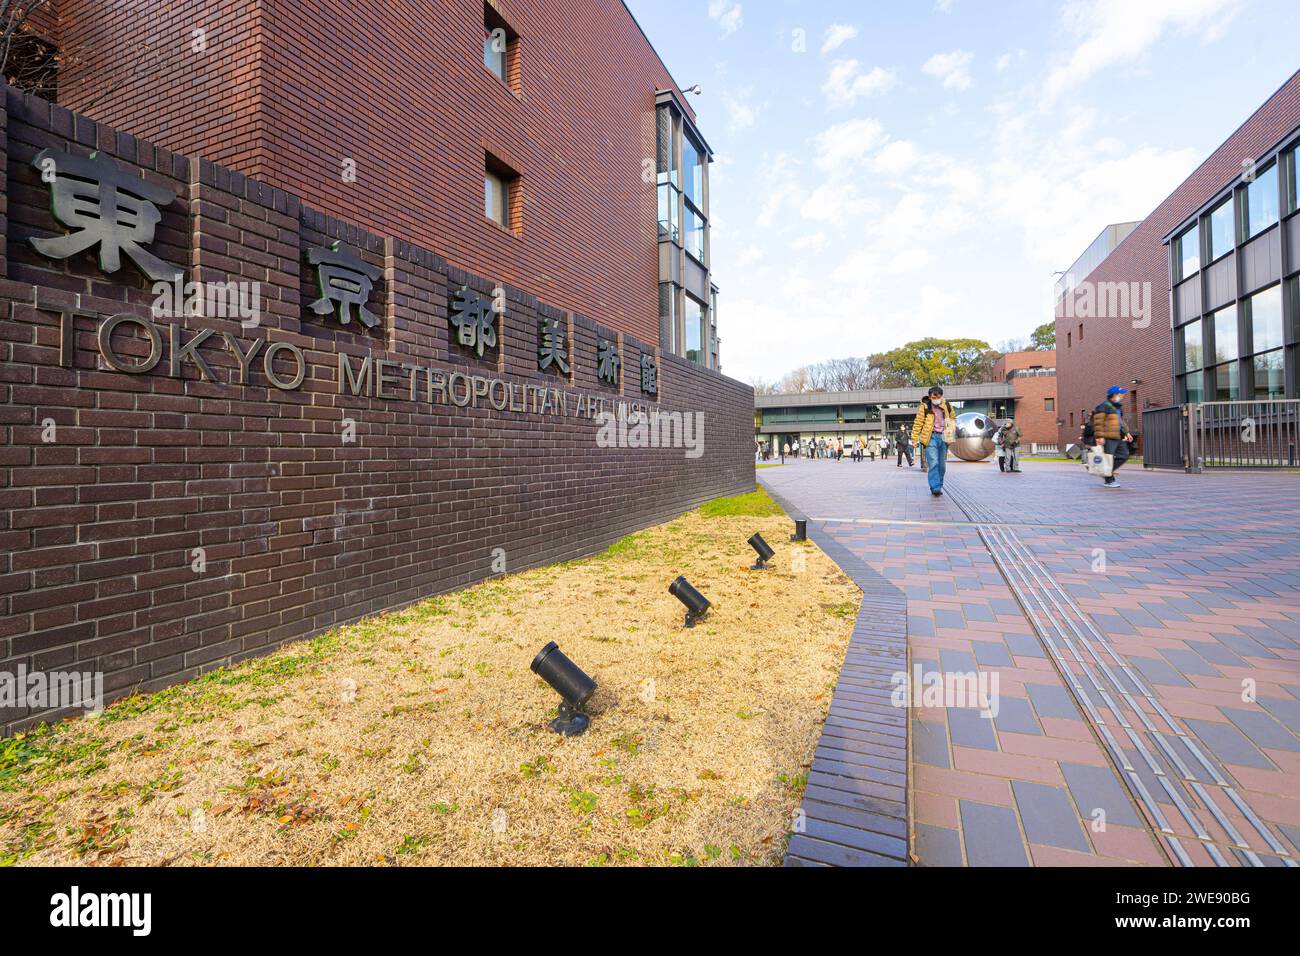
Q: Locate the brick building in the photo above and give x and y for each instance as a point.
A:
(392, 116)
(1032, 376)
(1114, 327)
(185, 489)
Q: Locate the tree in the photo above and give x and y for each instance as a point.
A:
(942, 361)
(1044, 337)
(30, 63)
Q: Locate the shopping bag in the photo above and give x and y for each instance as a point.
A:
(949, 431)
(1099, 463)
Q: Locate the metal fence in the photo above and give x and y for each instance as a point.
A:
(1259, 434)
(1263, 434)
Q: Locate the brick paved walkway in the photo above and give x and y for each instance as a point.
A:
(1145, 644)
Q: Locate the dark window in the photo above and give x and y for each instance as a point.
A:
(1189, 253)
(1049, 404)
(1259, 203)
(501, 197)
(1221, 238)
(500, 48)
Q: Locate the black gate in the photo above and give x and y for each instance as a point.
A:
(1164, 442)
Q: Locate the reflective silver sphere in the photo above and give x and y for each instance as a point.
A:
(974, 437)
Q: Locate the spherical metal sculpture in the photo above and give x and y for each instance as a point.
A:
(974, 437)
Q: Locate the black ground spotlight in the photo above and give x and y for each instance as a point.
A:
(800, 530)
(763, 550)
(574, 687)
(696, 603)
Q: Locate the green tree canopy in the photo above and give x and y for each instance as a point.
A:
(938, 362)
(1044, 337)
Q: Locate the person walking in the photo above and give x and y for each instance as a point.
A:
(1000, 449)
(785, 450)
(1111, 432)
(903, 442)
(935, 426)
(873, 447)
(1011, 442)
(884, 448)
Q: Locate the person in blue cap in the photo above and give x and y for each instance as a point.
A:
(1111, 431)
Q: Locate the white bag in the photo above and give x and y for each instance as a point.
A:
(1099, 463)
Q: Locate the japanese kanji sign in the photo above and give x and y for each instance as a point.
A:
(106, 207)
(552, 345)
(608, 363)
(474, 319)
(649, 374)
(344, 281)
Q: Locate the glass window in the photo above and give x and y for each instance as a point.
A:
(695, 226)
(669, 227)
(1193, 387)
(1049, 404)
(665, 156)
(497, 42)
(1226, 388)
(668, 317)
(1225, 334)
(1265, 312)
(1259, 210)
(1189, 346)
(494, 197)
(1189, 254)
(1270, 375)
(694, 331)
(1292, 181)
(693, 160)
(1221, 238)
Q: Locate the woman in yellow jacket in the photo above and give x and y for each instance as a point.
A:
(931, 431)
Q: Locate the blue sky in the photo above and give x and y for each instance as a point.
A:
(887, 171)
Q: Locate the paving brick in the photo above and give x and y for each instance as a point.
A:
(991, 836)
(1048, 816)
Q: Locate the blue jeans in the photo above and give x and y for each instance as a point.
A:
(936, 456)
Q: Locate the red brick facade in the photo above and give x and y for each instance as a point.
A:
(286, 92)
(1035, 395)
(1112, 351)
(109, 481)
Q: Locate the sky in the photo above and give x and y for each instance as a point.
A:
(887, 171)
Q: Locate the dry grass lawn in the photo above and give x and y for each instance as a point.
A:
(418, 737)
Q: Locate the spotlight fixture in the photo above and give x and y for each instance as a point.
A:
(800, 530)
(696, 603)
(763, 550)
(574, 687)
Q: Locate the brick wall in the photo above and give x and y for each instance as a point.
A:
(285, 92)
(100, 516)
(1037, 423)
(1112, 350)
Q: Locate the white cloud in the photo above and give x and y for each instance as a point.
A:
(846, 83)
(1111, 32)
(845, 145)
(896, 157)
(741, 113)
(944, 6)
(953, 68)
(838, 34)
(1002, 62)
(728, 15)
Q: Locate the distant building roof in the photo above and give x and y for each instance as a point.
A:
(1094, 255)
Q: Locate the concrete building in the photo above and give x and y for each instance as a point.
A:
(809, 416)
(1236, 212)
